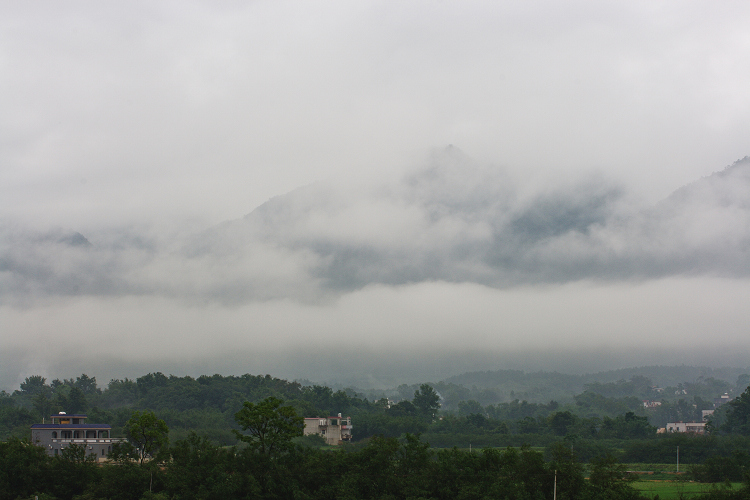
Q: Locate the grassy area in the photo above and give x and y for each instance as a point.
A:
(676, 489)
(658, 472)
(668, 468)
(663, 480)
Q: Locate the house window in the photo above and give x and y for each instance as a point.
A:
(56, 450)
(66, 434)
(102, 451)
(54, 434)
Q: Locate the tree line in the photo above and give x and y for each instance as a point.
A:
(271, 463)
(268, 458)
(207, 403)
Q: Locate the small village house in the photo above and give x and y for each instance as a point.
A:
(65, 430)
(335, 430)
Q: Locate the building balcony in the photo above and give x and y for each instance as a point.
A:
(89, 440)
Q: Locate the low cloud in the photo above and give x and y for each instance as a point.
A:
(375, 285)
(386, 335)
(457, 221)
(452, 220)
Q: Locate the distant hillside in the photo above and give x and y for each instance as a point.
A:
(506, 385)
(725, 188)
(671, 376)
(663, 376)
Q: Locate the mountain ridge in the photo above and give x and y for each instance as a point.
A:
(451, 220)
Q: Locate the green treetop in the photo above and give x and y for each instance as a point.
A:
(270, 426)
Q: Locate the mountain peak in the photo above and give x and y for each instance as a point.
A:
(741, 166)
(728, 187)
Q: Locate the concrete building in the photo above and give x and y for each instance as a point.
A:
(66, 430)
(689, 427)
(722, 400)
(335, 430)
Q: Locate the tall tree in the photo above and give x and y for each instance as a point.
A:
(34, 385)
(738, 414)
(149, 434)
(610, 479)
(42, 404)
(77, 400)
(270, 426)
(427, 400)
(569, 472)
(87, 384)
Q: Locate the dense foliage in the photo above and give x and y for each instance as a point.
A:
(378, 469)
(228, 440)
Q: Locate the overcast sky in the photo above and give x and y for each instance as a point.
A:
(131, 132)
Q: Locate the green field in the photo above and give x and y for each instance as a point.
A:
(662, 480)
(676, 489)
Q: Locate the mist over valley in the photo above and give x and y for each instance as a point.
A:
(372, 194)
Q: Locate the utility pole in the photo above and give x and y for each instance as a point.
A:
(678, 460)
(554, 492)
